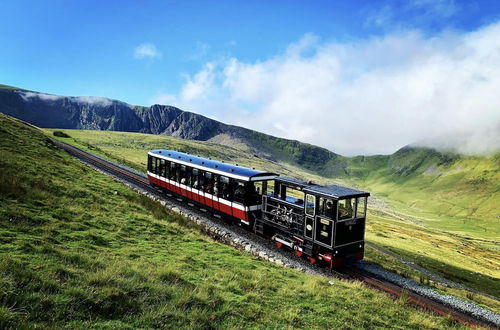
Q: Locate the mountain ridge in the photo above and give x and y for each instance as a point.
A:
(85, 112)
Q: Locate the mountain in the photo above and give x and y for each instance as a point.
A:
(97, 113)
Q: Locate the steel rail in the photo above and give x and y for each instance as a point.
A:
(382, 285)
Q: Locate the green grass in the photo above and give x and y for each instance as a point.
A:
(81, 250)
(392, 222)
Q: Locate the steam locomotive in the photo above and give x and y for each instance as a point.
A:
(323, 223)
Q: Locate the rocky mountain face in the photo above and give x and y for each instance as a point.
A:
(53, 111)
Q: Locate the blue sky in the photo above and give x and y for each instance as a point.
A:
(184, 52)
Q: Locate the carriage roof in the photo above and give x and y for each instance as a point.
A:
(218, 167)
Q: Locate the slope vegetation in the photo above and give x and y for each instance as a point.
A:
(447, 191)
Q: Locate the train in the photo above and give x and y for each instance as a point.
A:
(325, 224)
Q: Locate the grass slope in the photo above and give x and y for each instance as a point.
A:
(468, 260)
(80, 250)
(449, 192)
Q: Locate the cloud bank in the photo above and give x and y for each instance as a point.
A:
(363, 97)
(146, 50)
(87, 100)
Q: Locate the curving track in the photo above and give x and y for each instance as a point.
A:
(423, 302)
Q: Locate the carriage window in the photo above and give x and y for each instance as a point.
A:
(239, 192)
(361, 207)
(171, 173)
(195, 180)
(157, 165)
(310, 204)
(167, 169)
(216, 184)
(201, 180)
(162, 167)
(346, 210)
(189, 174)
(224, 187)
(182, 174)
(326, 208)
(150, 163)
(209, 183)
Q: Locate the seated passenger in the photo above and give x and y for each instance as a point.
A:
(183, 180)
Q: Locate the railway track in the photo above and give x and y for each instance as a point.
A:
(346, 272)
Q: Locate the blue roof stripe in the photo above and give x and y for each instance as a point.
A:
(212, 164)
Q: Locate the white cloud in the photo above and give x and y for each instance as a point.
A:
(146, 50)
(363, 97)
(94, 100)
(28, 96)
(90, 100)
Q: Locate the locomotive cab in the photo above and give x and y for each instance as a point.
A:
(323, 222)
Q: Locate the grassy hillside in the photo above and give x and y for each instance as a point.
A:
(467, 260)
(449, 192)
(80, 250)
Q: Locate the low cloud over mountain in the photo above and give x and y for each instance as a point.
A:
(362, 96)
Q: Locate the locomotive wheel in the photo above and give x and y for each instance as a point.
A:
(312, 260)
(279, 245)
(298, 253)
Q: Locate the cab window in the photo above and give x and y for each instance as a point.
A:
(345, 209)
(326, 207)
(310, 204)
(361, 207)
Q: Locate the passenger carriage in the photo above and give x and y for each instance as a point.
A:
(324, 223)
(229, 190)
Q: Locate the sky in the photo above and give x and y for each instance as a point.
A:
(356, 77)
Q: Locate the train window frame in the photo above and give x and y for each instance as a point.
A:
(208, 186)
(157, 160)
(323, 201)
(352, 209)
(162, 167)
(237, 198)
(167, 168)
(363, 201)
(182, 174)
(224, 188)
(195, 178)
(307, 204)
(172, 171)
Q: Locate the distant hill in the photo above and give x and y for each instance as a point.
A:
(97, 113)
